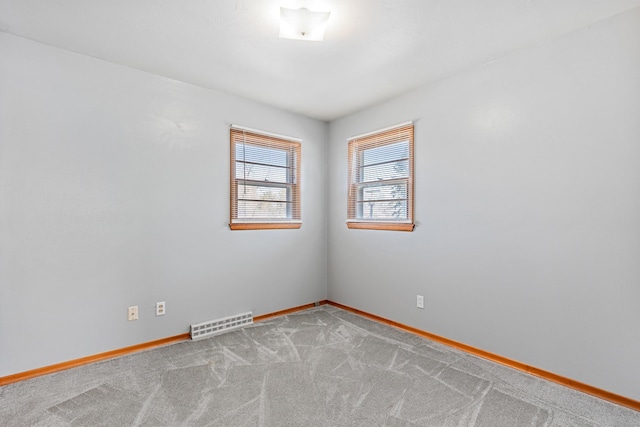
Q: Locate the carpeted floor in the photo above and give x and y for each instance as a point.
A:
(319, 367)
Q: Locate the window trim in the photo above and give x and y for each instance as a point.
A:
(356, 145)
(275, 141)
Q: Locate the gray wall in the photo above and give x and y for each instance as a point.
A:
(527, 207)
(115, 192)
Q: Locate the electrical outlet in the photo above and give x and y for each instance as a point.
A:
(420, 301)
(160, 308)
(133, 313)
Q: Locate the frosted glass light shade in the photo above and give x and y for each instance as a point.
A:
(303, 24)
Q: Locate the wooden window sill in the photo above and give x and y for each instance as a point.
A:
(390, 226)
(264, 225)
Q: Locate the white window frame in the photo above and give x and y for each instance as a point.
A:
(292, 147)
(357, 146)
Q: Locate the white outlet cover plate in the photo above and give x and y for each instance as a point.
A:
(420, 301)
(161, 308)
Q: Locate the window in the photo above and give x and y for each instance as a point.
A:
(381, 180)
(265, 181)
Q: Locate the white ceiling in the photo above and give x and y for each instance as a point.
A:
(373, 49)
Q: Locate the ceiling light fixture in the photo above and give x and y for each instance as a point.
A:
(303, 24)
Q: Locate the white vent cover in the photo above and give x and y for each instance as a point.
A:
(218, 326)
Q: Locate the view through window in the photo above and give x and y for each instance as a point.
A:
(265, 181)
(381, 180)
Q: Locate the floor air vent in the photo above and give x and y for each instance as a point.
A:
(218, 326)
